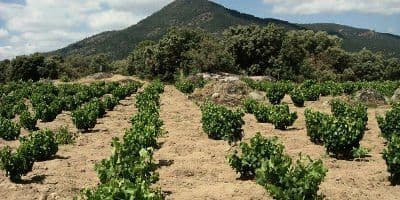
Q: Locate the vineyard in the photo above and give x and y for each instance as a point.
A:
(133, 139)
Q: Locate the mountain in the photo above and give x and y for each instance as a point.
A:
(214, 18)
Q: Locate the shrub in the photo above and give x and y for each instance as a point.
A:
(28, 121)
(110, 102)
(20, 107)
(315, 122)
(120, 92)
(390, 123)
(63, 136)
(263, 113)
(342, 135)
(47, 113)
(250, 105)
(392, 157)
(85, 117)
(281, 116)
(358, 111)
(18, 163)
(43, 144)
(253, 154)
(276, 93)
(287, 181)
(136, 165)
(185, 86)
(122, 189)
(97, 105)
(312, 93)
(221, 123)
(297, 97)
(8, 129)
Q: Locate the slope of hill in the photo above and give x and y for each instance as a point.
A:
(357, 38)
(214, 18)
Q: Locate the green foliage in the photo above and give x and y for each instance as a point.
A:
(360, 152)
(390, 123)
(392, 157)
(47, 113)
(28, 121)
(85, 117)
(185, 86)
(358, 111)
(297, 97)
(250, 105)
(314, 124)
(42, 144)
(8, 129)
(253, 154)
(263, 113)
(281, 116)
(64, 137)
(221, 123)
(342, 135)
(110, 102)
(276, 93)
(122, 189)
(312, 93)
(287, 181)
(20, 107)
(16, 164)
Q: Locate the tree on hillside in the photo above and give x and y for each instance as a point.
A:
(254, 48)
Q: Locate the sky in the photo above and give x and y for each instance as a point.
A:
(28, 26)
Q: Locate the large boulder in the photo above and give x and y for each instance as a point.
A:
(227, 92)
(396, 96)
(370, 97)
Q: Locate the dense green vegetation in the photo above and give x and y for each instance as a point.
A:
(221, 123)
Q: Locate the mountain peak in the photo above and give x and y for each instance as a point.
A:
(211, 17)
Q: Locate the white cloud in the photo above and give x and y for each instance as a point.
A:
(44, 25)
(3, 33)
(307, 7)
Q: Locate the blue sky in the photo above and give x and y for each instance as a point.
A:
(28, 26)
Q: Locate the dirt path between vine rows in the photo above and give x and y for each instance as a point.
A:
(198, 167)
(73, 167)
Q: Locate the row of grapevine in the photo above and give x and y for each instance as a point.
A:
(390, 130)
(279, 115)
(37, 146)
(312, 89)
(340, 133)
(130, 170)
(264, 158)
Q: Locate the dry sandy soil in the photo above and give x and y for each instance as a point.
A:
(195, 167)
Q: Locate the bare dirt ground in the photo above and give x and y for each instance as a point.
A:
(73, 167)
(194, 166)
(199, 169)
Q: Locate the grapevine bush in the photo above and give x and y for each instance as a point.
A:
(358, 111)
(263, 113)
(16, 164)
(276, 93)
(85, 117)
(392, 157)
(28, 121)
(314, 124)
(297, 97)
(281, 116)
(250, 105)
(8, 129)
(42, 144)
(342, 135)
(390, 123)
(253, 154)
(222, 123)
(285, 180)
(110, 102)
